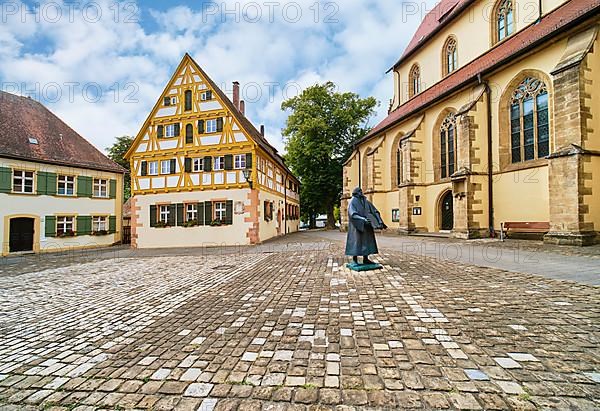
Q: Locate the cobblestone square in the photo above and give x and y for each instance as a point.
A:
(293, 328)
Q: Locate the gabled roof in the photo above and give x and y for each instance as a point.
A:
(246, 124)
(52, 141)
(439, 17)
(552, 24)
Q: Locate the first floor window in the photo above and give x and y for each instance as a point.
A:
(170, 130)
(191, 212)
(22, 181)
(163, 213)
(64, 225)
(198, 165)
(240, 161)
(219, 163)
(99, 224)
(211, 126)
(220, 210)
(66, 185)
(165, 167)
(153, 168)
(100, 187)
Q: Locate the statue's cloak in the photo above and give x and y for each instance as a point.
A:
(361, 237)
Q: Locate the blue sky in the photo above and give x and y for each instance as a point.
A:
(101, 65)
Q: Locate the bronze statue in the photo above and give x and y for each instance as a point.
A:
(363, 219)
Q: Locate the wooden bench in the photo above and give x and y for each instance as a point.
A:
(524, 227)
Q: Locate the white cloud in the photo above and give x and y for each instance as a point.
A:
(140, 55)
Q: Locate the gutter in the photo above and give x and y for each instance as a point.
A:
(490, 161)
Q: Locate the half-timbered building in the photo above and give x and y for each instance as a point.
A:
(203, 175)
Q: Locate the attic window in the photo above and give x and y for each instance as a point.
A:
(33, 140)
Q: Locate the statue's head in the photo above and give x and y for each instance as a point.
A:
(357, 192)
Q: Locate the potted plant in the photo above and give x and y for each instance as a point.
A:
(161, 224)
(216, 223)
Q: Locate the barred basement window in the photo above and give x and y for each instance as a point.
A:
(529, 129)
(448, 146)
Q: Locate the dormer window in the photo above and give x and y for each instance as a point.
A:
(450, 56)
(504, 20)
(414, 81)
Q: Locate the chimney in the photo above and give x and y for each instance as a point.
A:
(262, 130)
(236, 94)
(243, 107)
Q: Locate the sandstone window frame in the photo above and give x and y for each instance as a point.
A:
(414, 80)
(439, 131)
(503, 20)
(450, 56)
(504, 121)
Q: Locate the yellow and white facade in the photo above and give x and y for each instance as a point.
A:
(58, 208)
(494, 118)
(202, 175)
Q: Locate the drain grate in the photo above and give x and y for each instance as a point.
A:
(223, 267)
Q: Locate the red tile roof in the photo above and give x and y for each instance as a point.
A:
(552, 24)
(22, 118)
(434, 21)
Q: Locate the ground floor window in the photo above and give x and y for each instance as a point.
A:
(163, 213)
(191, 212)
(64, 225)
(99, 224)
(220, 210)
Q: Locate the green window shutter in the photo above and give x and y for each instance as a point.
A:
(42, 182)
(5, 180)
(144, 168)
(172, 215)
(188, 165)
(228, 162)
(84, 225)
(112, 224)
(51, 184)
(160, 131)
(84, 186)
(200, 126)
(113, 189)
(220, 124)
(229, 212)
(200, 213)
(209, 95)
(248, 160)
(189, 134)
(207, 212)
(208, 163)
(173, 166)
(177, 129)
(50, 226)
(180, 214)
(153, 216)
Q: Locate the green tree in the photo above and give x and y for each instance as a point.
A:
(319, 135)
(117, 154)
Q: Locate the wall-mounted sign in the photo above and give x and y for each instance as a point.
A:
(395, 215)
(417, 211)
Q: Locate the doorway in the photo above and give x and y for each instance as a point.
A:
(21, 234)
(447, 212)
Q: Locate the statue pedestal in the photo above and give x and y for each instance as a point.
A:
(364, 267)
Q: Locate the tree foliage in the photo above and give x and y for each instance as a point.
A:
(117, 154)
(319, 136)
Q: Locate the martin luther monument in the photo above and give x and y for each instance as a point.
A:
(363, 219)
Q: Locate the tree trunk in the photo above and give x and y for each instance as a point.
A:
(330, 218)
(312, 222)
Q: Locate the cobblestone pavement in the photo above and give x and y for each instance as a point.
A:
(291, 328)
